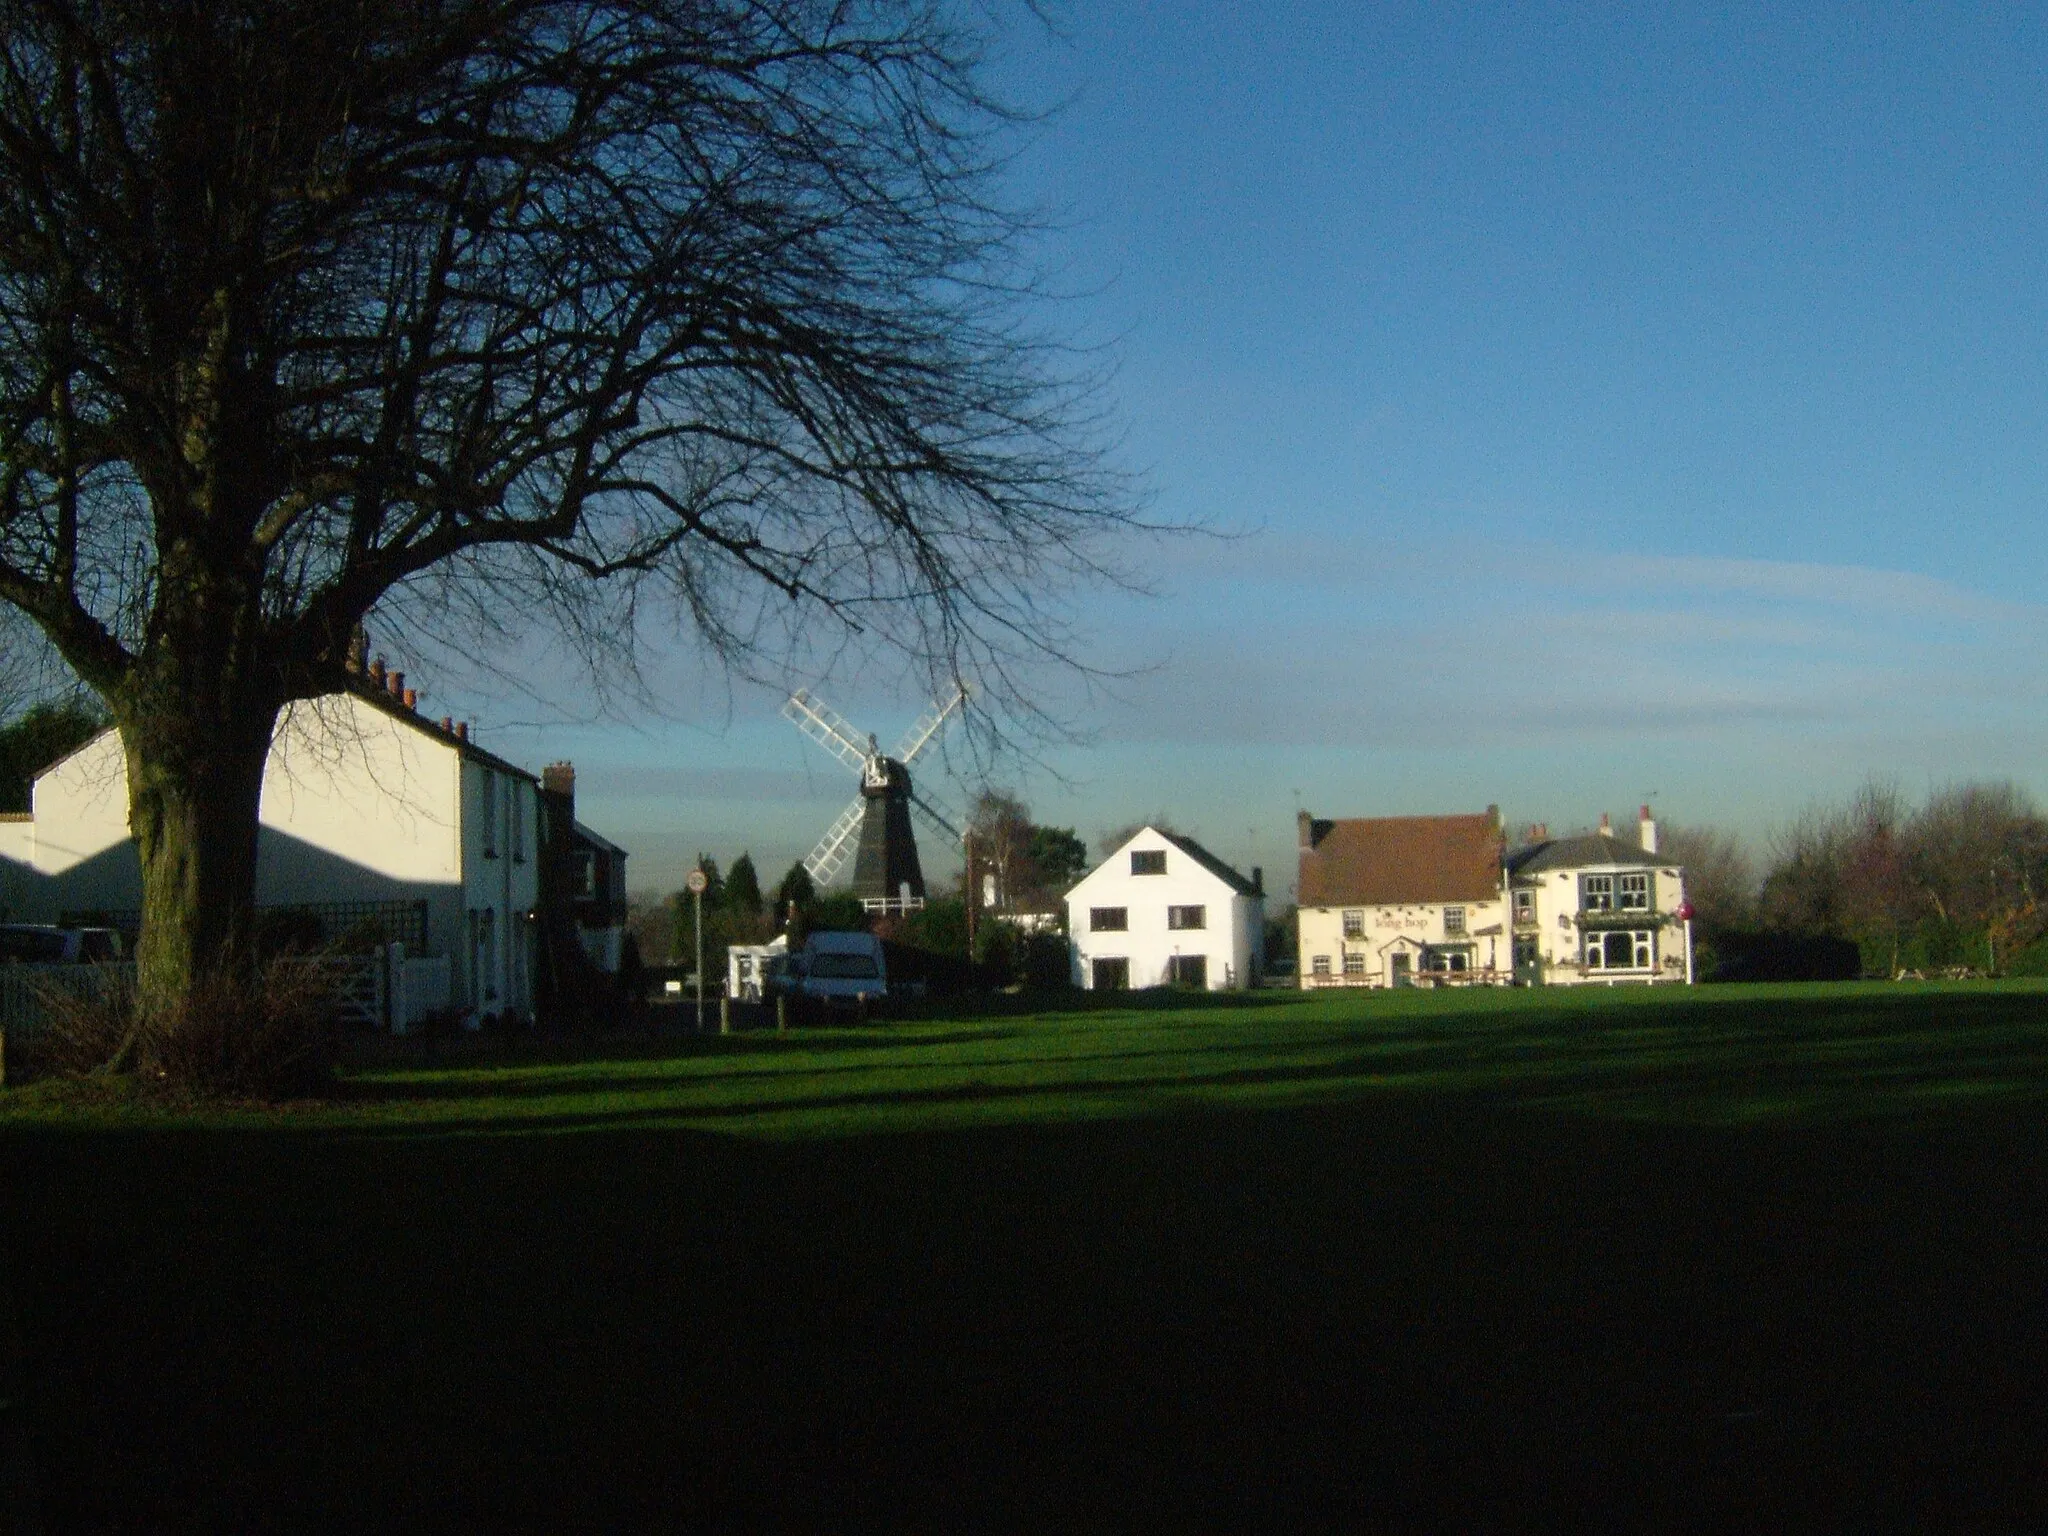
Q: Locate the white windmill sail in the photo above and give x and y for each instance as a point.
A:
(824, 862)
(827, 727)
(928, 725)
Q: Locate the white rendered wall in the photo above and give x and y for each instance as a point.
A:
(1391, 927)
(501, 878)
(356, 806)
(1559, 937)
(348, 780)
(1226, 941)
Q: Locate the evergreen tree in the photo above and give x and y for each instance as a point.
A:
(743, 888)
(796, 888)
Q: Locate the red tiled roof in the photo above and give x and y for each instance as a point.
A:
(1386, 859)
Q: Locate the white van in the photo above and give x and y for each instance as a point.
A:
(843, 968)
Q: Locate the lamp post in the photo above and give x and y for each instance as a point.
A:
(1685, 915)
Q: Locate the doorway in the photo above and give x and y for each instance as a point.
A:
(1111, 975)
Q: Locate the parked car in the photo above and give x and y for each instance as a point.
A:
(46, 944)
(842, 969)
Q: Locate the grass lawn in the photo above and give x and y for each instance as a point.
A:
(1734, 1258)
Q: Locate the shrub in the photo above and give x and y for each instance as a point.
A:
(1043, 963)
(270, 1038)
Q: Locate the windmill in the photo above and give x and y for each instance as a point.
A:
(886, 874)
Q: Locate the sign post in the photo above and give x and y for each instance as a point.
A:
(694, 883)
(1685, 915)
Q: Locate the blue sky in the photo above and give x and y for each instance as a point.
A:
(1608, 402)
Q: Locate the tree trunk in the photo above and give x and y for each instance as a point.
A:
(195, 783)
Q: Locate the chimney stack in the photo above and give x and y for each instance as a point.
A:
(1648, 828)
(1606, 830)
(1304, 828)
(560, 779)
(1258, 881)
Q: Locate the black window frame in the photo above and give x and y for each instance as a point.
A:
(1148, 861)
(1121, 924)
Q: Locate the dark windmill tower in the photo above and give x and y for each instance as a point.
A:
(885, 865)
(887, 875)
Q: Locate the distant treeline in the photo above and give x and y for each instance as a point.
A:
(1877, 886)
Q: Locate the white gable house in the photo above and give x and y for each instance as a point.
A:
(372, 817)
(1164, 911)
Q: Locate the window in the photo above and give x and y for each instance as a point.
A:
(515, 804)
(1111, 975)
(1525, 906)
(1623, 949)
(1528, 954)
(487, 953)
(490, 814)
(1320, 966)
(1354, 964)
(1454, 922)
(1447, 962)
(583, 873)
(1187, 917)
(844, 967)
(1597, 894)
(1108, 919)
(1354, 923)
(1635, 893)
(1148, 862)
(1188, 971)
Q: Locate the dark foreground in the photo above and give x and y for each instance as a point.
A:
(1402, 1311)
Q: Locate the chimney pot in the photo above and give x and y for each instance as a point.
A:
(377, 670)
(1606, 828)
(1258, 881)
(462, 730)
(1304, 828)
(447, 725)
(412, 698)
(395, 682)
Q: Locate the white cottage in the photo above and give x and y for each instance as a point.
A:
(371, 816)
(1164, 911)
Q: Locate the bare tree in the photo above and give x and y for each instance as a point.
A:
(1975, 853)
(1001, 826)
(1720, 876)
(314, 310)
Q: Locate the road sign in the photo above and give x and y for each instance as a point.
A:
(695, 883)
